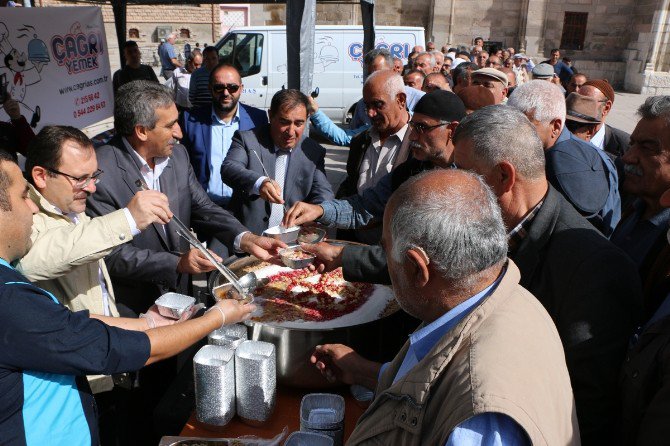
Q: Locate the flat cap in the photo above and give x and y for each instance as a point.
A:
(520, 56)
(543, 71)
(493, 74)
(441, 104)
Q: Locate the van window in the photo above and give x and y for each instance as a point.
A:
(243, 51)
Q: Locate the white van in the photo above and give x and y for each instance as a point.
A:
(259, 52)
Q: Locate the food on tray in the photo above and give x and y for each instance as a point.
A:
(307, 296)
(298, 254)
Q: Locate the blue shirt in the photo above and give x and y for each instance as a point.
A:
(636, 237)
(46, 352)
(166, 54)
(485, 429)
(222, 136)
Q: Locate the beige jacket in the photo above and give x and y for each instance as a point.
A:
(65, 257)
(505, 356)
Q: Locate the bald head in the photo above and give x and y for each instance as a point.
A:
(435, 81)
(384, 98)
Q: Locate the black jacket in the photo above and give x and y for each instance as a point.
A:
(589, 287)
(616, 141)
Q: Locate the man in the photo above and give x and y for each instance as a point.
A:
(476, 50)
(198, 89)
(47, 349)
(436, 116)
(493, 62)
(414, 79)
(430, 46)
(375, 60)
(180, 82)
(168, 56)
(68, 246)
(134, 69)
(607, 138)
(417, 49)
(446, 66)
(397, 65)
(462, 75)
(563, 71)
(16, 134)
(435, 81)
(520, 69)
(494, 80)
(439, 60)
(481, 59)
(545, 72)
(572, 270)
(577, 81)
(582, 116)
(585, 176)
(478, 41)
(208, 130)
(641, 233)
(475, 98)
(425, 62)
(375, 152)
(274, 163)
(644, 383)
(467, 372)
(145, 150)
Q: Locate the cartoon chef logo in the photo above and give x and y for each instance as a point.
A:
(22, 69)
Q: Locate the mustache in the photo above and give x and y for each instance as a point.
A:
(633, 170)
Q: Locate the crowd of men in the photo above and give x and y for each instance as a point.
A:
(526, 241)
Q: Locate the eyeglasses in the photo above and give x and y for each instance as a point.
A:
(80, 182)
(423, 128)
(219, 88)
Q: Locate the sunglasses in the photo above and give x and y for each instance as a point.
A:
(219, 88)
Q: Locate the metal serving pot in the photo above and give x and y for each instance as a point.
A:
(295, 346)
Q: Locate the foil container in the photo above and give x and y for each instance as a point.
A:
(214, 373)
(173, 305)
(256, 381)
(323, 413)
(308, 439)
(285, 255)
(230, 336)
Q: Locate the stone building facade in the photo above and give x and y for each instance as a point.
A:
(625, 41)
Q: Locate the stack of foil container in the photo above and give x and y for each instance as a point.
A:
(234, 375)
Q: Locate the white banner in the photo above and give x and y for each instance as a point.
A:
(55, 63)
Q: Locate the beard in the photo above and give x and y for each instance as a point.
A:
(225, 108)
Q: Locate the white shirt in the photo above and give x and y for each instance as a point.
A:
(179, 83)
(379, 158)
(598, 139)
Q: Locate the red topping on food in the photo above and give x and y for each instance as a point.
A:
(329, 298)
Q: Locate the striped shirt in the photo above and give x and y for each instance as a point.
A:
(198, 90)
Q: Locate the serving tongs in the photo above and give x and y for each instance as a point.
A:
(248, 281)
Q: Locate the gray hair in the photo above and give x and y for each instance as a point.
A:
(433, 62)
(458, 225)
(541, 100)
(655, 107)
(502, 133)
(371, 55)
(136, 103)
(393, 85)
(436, 54)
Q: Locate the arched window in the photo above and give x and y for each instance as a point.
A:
(184, 33)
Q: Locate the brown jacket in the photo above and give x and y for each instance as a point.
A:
(505, 356)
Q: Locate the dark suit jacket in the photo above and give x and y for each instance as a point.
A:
(589, 287)
(357, 147)
(616, 141)
(146, 267)
(645, 387)
(305, 178)
(196, 125)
